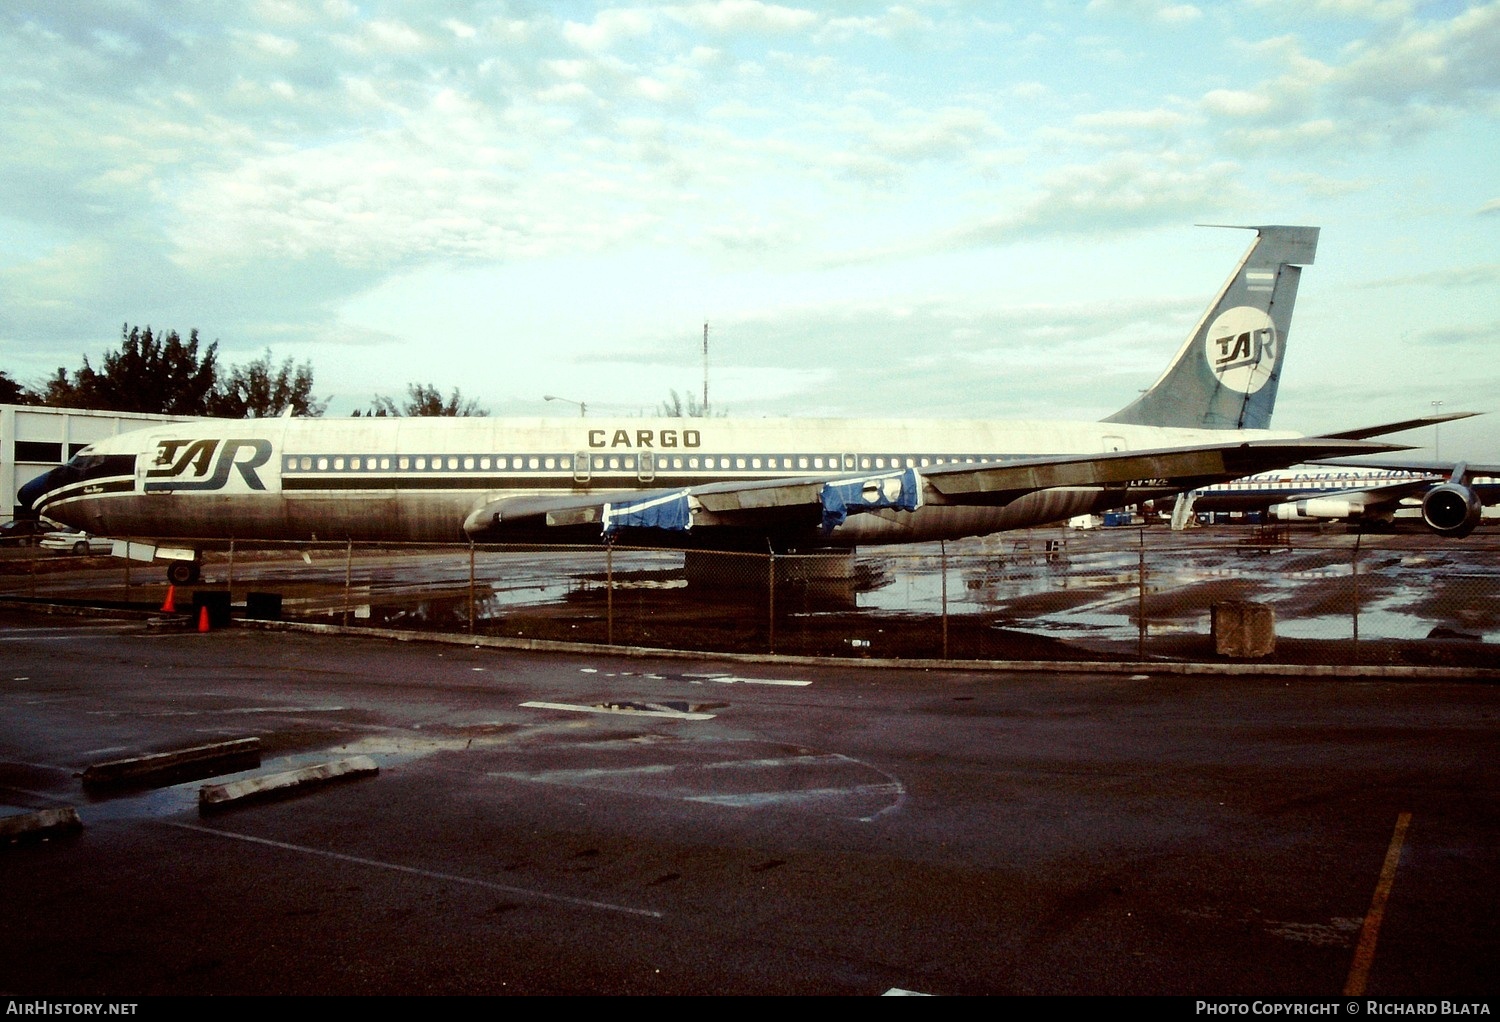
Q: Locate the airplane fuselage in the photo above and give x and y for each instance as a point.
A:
(1267, 489)
(416, 479)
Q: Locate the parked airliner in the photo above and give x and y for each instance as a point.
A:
(789, 484)
(1449, 499)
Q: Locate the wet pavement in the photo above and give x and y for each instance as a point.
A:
(585, 823)
(1077, 596)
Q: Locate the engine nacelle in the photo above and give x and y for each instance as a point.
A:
(1452, 509)
(1313, 509)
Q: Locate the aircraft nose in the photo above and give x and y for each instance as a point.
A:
(32, 492)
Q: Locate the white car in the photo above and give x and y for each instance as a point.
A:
(76, 543)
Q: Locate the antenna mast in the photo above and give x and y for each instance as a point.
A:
(705, 367)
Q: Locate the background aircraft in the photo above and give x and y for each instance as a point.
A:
(1448, 498)
(787, 484)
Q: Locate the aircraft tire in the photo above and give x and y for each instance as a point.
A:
(182, 573)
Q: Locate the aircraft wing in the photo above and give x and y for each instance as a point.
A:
(1426, 466)
(1385, 429)
(1367, 499)
(808, 501)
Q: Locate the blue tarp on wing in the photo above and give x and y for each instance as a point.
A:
(671, 512)
(841, 498)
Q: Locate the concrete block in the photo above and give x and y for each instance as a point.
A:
(42, 823)
(1244, 629)
(212, 797)
(164, 768)
(263, 606)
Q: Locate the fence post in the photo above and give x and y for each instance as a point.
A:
(348, 577)
(1354, 578)
(471, 587)
(229, 582)
(943, 560)
(771, 599)
(1140, 606)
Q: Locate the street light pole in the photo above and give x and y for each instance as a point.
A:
(1437, 450)
(583, 409)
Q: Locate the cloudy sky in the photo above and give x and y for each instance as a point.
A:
(921, 209)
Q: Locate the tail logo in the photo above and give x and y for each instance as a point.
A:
(1241, 348)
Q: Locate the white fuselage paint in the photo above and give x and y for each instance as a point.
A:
(416, 479)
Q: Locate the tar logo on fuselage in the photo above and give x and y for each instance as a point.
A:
(206, 464)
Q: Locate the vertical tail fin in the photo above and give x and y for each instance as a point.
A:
(1226, 373)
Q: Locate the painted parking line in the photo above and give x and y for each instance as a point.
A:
(521, 892)
(793, 796)
(734, 679)
(621, 709)
(827, 783)
(72, 635)
(717, 678)
(1364, 951)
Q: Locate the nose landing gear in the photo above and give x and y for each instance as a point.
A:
(182, 573)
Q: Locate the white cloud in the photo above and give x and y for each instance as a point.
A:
(743, 16)
(1135, 120)
(394, 36)
(859, 184)
(1236, 103)
(892, 23)
(1156, 10)
(609, 29)
(1361, 10)
(274, 45)
(461, 30)
(1386, 88)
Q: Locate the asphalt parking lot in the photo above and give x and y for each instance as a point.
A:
(583, 822)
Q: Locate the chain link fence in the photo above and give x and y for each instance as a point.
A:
(1131, 593)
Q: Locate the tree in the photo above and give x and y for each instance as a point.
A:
(159, 373)
(259, 390)
(13, 393)
(60, 392)
(425, 400)
(151, 374)
(676, 409)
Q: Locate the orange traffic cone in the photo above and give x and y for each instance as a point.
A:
(169, 605)
(203, 618)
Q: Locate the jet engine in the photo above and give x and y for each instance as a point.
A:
(1315, 508)
(1452, 509)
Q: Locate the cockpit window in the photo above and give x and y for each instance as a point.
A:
(98, 466)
